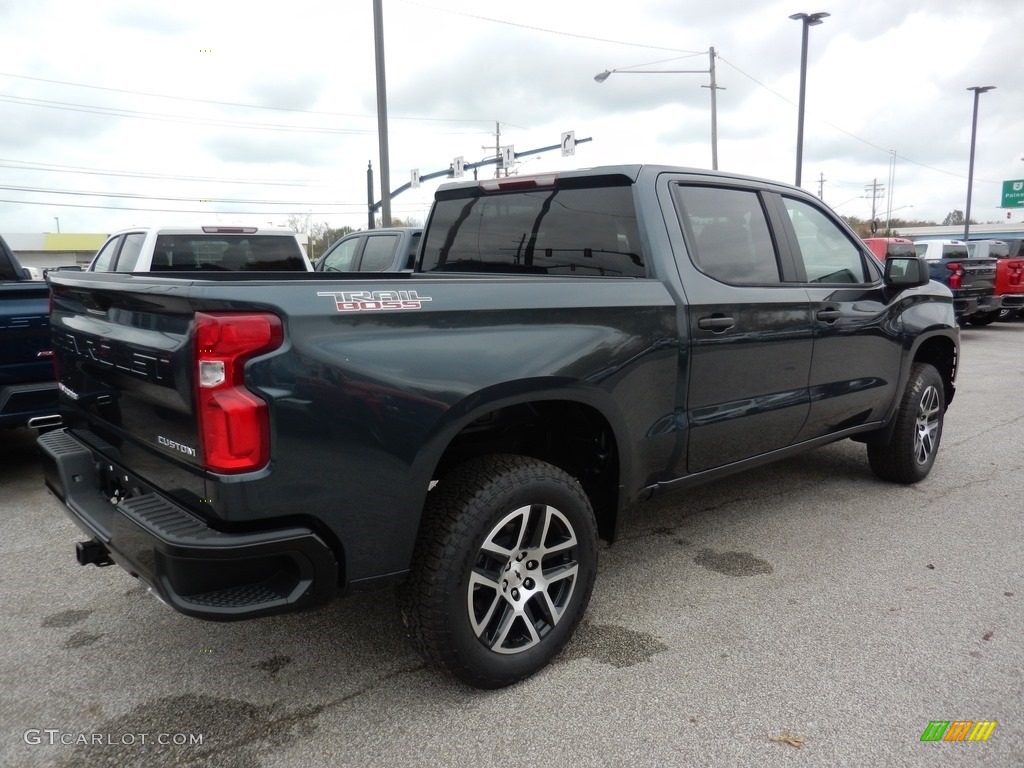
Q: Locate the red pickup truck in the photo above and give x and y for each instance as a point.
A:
(1009, 280)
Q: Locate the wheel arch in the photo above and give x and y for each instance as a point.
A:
(571, 426)
(941, 352)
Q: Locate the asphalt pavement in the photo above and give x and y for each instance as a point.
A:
(803, 614)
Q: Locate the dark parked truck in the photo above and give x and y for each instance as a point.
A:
(971, 280)
(28, 387)
(568, 345)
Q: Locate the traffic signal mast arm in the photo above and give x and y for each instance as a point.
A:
(450, 170)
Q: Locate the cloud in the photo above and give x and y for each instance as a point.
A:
(270, 150)
(157, 21)
(298, 92)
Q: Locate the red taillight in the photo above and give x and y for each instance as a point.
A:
(234, 424)
(956, 276)
(1016, 272)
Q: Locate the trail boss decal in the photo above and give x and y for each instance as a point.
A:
(369, 301)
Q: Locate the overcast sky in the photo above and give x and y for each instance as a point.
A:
(123, 113)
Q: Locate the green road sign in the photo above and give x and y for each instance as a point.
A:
(1013, 194)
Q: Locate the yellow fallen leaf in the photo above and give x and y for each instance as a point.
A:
(786, 737)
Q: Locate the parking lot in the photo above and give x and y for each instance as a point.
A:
(802, 614)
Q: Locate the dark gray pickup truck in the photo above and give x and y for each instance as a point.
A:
(569, 345)
(28, 387)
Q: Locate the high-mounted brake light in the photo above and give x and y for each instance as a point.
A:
(230, 230)
(956, 276)
(234, 424)
(520, 183)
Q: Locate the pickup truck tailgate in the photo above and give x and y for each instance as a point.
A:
(125, 373)
(27, 386)
(979, 277)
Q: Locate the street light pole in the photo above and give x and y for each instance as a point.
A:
(809, 20)
(382, 113)
(978, 90)
(602, 76)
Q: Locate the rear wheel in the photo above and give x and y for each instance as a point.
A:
(984, 318)
(911, 450)
(1005, 315)
(503, 569)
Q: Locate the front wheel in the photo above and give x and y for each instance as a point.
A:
(503, 569)
(910, 452)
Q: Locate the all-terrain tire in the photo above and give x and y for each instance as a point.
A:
(503, 569)
(910, 453)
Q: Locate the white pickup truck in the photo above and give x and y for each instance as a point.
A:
(201, 249)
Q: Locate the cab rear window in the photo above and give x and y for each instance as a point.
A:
(576, 231)
(252, 253)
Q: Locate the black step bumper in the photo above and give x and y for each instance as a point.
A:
(196, 569)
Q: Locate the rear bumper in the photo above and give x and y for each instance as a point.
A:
(196, 569)
(21, 402)
(989, 303)
(1012, 300)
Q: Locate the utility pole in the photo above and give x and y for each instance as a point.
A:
(876, 192)
(382, 114)
(821, 186)
(714, 108)
(497, 151)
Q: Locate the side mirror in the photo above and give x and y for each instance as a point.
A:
(906, 272)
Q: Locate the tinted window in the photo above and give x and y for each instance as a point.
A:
(900, 249)
(341, 258)
(255, 253)
(130, 251)
(729, 235)
(106, 255)
(379, 253)
(954, 252)
(828, 255)
(414, 248)
(582, 232)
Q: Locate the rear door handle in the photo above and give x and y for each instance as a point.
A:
(829, 315)
(715, 323)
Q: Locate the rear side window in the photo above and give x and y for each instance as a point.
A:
(729, 235)
(574, 231)
(130, 251)
(414, 248)
(378, 253)
(253, 253)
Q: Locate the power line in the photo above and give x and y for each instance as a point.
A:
(133, 196)
(164, 117)
(362, 116)
(548, 31)
(53, 168)
(847, 133)
(361, 206)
